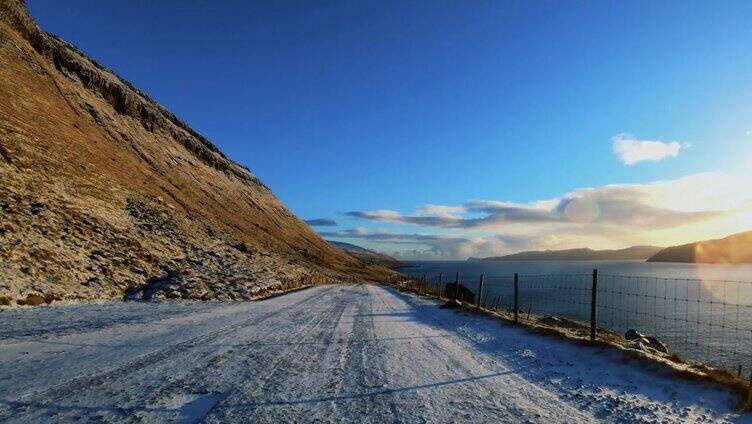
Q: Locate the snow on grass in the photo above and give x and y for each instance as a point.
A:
(193, 407)
(602, 381)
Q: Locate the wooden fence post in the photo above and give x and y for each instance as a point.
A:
(594, 306)
(516, 297)
(441, 288)
(457, 287)
(480, 289)
(749, 395)
(425, 285)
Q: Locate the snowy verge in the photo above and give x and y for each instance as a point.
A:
(573, 332)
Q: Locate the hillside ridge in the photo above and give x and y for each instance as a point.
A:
(108, 194)
(735, 248)
(124, 97)
(579, 254)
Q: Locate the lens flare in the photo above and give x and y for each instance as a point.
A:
(582, 210)
(736, 249)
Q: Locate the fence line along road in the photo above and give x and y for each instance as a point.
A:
(707, 321)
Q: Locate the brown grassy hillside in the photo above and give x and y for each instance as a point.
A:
(103, 190)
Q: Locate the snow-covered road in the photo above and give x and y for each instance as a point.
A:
(360, 353)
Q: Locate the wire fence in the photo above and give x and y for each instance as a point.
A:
(705, 321)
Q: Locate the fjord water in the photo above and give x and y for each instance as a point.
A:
(701, 311)
(628, 267)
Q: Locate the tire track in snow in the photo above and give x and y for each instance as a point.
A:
(117, 318)
(364, 394)
(448, 383)
(214, 375)
(513, 404)
(293, 361)
(22, 403)
(252, 400)
(399, 359)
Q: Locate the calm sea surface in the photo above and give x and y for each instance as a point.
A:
(701, 311)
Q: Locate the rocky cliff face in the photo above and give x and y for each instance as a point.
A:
(104, 192)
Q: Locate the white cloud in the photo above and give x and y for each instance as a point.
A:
(630, 150)
(658, 205)
(695, 207)
(380, 215)
(427, 246)
(441, 211)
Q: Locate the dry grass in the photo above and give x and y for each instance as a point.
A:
(103, 189)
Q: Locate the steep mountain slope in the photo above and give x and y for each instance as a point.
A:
(584, 254)
(103, 191)
(736, 248)
(366, 255)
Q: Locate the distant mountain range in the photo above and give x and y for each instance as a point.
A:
(366, 255)
(736, 248)
(584, 254)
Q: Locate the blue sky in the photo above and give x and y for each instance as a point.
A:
(371, 106)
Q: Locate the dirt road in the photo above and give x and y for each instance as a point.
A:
(359, 353)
